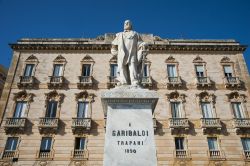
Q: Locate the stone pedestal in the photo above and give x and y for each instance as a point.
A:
(129, 138)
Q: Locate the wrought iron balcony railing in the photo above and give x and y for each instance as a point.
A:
(210, 123)
(203, 81)
(181, 154)
(174, 81)
(85, 81)
(80, 154)
(216, 154)
(176, 123)
(242, 122)
(232, 82)
(81, 123)
(10, 154)
(45, 154)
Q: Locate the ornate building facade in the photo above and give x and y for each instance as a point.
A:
(3, 75)
(52, 113)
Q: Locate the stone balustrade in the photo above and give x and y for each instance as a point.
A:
(56, 81)
(26, 81)
(242, 122)
(81, 124)
(48, 124)
(85, 81)
(232, 82)
(210, 123)
(79, 154)
(15, 123)
(146, 81)
(10, 154)
(178, 123)
(174, 81)
(247, 154)
(181, 153)
(45, 154)
(203, 81)
(216, 154)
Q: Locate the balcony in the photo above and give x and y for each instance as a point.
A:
(45, 155)
(112, 81)
(178, 123)
(203, 82)
(146, 81)
(81, 124)
(26, 81)
(79, 154)
(14, 124)
(216, 155)
(247, 154)
(182, 154)
(210, 123)
(174, 82)
(48, 125)
(9, 154)
(242, 123)
(56, 81)
(85, 82)
(232, 82)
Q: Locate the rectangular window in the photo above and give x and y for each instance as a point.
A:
(28, 70)
(46, 144)
(80, 143)
(245, 143)
(199, 71)
(228, 71)
(179, 143)
(20, 109)
(86, 70)
(145, 70)
(82, 109)
(113, 70)
(11, 144)
(212, 143)
(176, 110)
(58, 70)
(237, 110)
(51, 111)
(171, 71)
(207, 111)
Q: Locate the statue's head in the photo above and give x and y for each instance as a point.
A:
(127, 25)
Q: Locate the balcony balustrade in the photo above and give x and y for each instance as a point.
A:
(231, 82)
(210, 123)
(26, 81)
(174, 81)
(9, 154)
(247, 154)
(216, 155)
(181, 154)
(81, 124)
(15, 123)
(178, 123)
(56, 81)
(45, 155)
(80, 154)
(48, 124)
(203, 82)
(85, 81)
(146, 81)
(241, 123)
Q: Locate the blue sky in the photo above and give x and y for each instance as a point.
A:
(188, 19)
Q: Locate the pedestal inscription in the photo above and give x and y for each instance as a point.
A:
(129, 139)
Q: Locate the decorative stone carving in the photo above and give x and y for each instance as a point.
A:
(175, 96)
(84, 95)
(236, 97)
(225, 59)
(54, 95)
(60, 59)
(32, 59)
(113, 59)
(170, 59)
(198, 59)
(23, 96)
(130, 50)
(87, 58)
(206, 97)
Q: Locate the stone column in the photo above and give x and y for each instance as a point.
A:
(129, 138)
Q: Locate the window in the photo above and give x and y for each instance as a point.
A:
(245, 143)
(179, 143)
(199, 71)
(176, 110)
(228, 71)
(82, 109)
(11, 144)
(20, 109)
(237, 110)
(28, 70)
(80, 143)
(145, 70)
(212, 143)
(86, 69)
(51, 111)
(113, 70)
(171, 71)
(207, 111)
(46, 144)
(58, 70)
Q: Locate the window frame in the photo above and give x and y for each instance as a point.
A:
(84, 96)
(17, 145)
(85, 142)
(32, 60)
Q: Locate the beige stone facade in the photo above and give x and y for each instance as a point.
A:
(39, 88)
(3, 75)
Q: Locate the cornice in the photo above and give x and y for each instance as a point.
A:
(167, 47)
